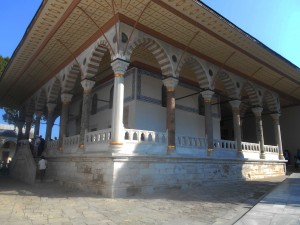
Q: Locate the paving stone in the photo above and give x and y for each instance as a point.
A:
(48, 203)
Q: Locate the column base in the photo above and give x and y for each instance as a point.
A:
(281, 157)
(116, 147)
(171, 149)
(210, 151)
(81, 146)
(262, 156)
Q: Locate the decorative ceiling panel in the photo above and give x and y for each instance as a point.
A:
(60, 29)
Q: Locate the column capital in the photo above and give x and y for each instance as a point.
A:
(38, 113)
(207, 95)
(275, 116)
(119, 66)
(51, 107)
(170, 83)
(66, 98)
(257, 111)
(235, 103)
(87, 85)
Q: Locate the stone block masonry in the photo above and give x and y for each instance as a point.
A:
(121, 176)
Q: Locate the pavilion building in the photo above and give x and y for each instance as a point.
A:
(151, 95)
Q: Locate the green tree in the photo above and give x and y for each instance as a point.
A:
(11, 116)
(3, 63)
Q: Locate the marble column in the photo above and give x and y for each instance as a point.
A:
(50, 107)
(275, 118)
(235, 106)
(28, 121)
(117, 127)
(171, 83)
(65, 99)
(259, 130)
(38, 115)
(87, 86)
(20, 125)
(207, 96)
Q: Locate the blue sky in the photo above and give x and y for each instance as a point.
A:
(273, 22)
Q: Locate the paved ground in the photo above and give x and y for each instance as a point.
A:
(280, 206)
(48, 203)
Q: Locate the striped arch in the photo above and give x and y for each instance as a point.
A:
(54, 90)
(198, 69)
(228, 84)
(244, 108)
(41, 100)
(93, 63)
(158, 52)
(69, 77)
(271, 101)
(252, 94)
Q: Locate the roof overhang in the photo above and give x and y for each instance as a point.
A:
(62, 29)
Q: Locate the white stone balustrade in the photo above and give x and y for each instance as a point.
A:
(247, 146)
(99, 136)
(152, 142)
(70, 141)
(271, 148)
(145, 136)
(224, 145)
(52, 144)
(194, 142)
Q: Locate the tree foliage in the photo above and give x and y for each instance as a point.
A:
(11, 116)
(3, 63)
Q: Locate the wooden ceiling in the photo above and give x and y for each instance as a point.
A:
(62, 29)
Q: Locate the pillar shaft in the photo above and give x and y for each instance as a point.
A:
(119, 67)
(37, 125)
(50, 107)
(28, 120)
(65, 99)
(235, 104)
(87, 89)
(207, 96)
(278, 135)
(170, 84)
(259, 130)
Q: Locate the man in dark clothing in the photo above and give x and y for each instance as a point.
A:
(41, 146)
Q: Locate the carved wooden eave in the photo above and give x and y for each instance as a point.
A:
(186, 24)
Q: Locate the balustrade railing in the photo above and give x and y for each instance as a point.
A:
(225, 144)
(99, 136)
(145, 136)
(71, 141)
(187, 141)
(247, 146)
(52, 144)
(271, 148)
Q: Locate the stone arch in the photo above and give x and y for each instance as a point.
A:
(158, 52)
(271, 101)
(228, 83)
(252, 94)
(198, 68)
(69, 77)
(54, 90)
(91, 67)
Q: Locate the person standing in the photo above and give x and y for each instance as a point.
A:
(42, 167)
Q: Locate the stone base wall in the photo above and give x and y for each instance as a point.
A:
(23, 167)
(119, 176)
